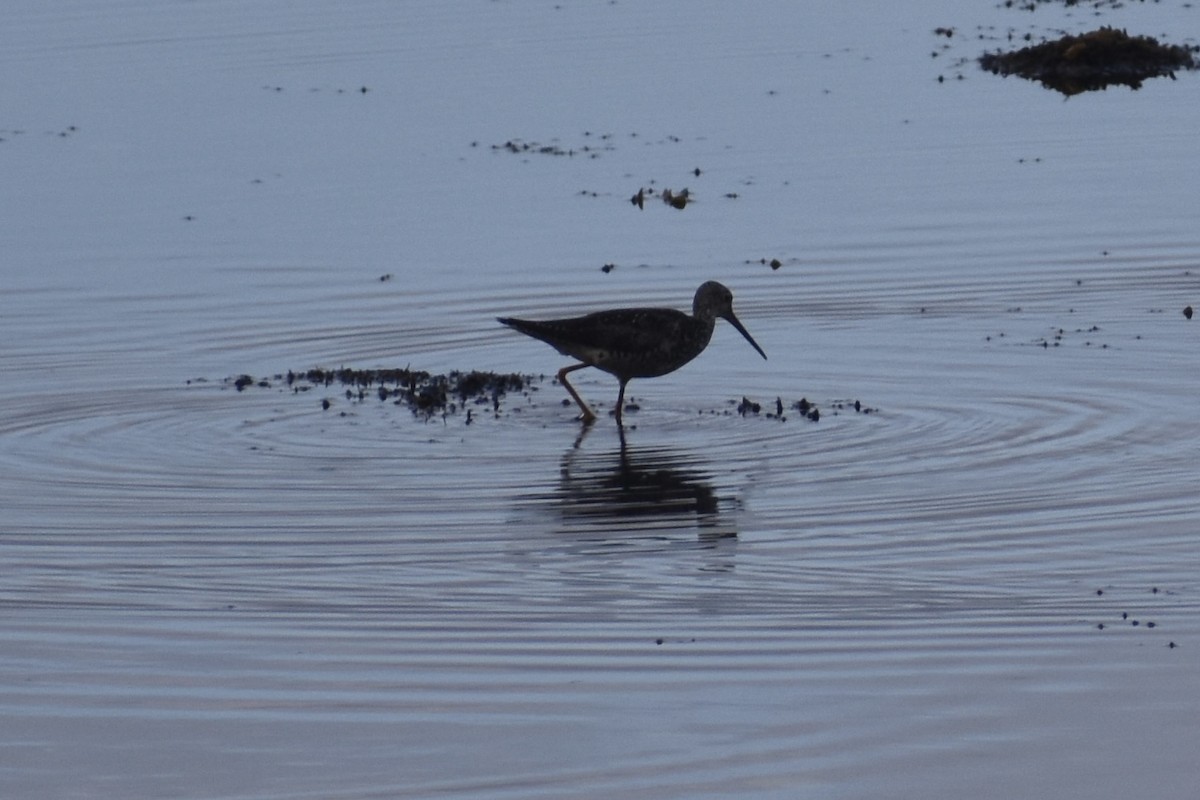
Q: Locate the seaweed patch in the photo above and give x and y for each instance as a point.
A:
(1093, 61)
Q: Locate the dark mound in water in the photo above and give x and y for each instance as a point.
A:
(1092, 61)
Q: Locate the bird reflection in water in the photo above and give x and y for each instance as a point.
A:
(640, 491)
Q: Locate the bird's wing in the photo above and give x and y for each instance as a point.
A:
(633, 330)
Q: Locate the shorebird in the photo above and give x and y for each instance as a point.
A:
(635, 342)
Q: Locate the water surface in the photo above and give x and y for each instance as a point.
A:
(985, 586)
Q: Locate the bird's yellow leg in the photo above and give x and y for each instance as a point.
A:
(588, 416)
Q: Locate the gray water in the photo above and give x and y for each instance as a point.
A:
(985, 585)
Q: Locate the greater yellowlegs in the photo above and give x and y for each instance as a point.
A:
(635, 342)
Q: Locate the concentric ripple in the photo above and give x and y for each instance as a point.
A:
(974, 576)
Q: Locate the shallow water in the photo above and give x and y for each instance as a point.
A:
(213, 593)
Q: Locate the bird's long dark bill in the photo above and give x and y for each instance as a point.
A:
(742, 330)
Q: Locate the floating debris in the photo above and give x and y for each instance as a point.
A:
(807, 409)
(593, 148)
(804, 407)
(774, 263)
(748, 406)
(678, 200)
(1092, 61)
(1032, 5)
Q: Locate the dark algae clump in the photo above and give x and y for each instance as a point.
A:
(422, 392)
(1091, 61)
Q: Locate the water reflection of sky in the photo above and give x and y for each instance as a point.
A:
(907, 602)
